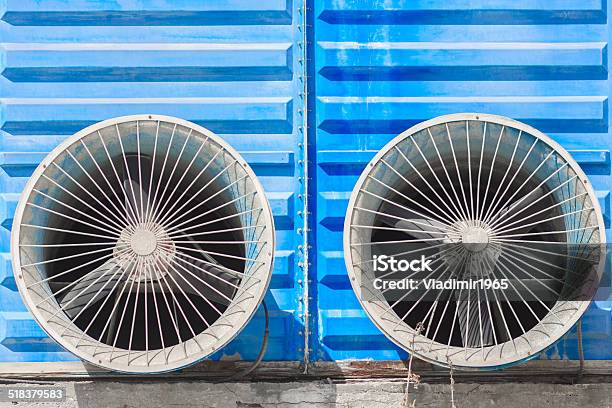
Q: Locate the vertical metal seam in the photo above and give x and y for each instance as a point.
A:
(305, 248)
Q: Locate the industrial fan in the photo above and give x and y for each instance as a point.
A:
(143, 244)
(510, 225)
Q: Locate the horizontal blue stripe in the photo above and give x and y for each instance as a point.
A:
(475, 17)
(145, 18)
(67, 127)
(145, 74)
(365, 126)
(465, 73)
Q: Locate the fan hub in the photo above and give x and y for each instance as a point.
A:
(152, 245)
(475, 238)
(143, 242)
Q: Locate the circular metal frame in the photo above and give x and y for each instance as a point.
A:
(252, 287)
(409, 336)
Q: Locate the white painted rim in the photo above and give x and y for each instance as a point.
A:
(409, 336)
(240, 320)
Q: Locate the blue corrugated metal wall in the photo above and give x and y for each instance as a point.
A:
(381, 66)
(233, 66)
(237, 67)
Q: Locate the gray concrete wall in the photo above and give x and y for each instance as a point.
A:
(324, 394)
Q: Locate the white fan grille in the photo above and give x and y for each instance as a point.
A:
(143, 243)
(483, 198)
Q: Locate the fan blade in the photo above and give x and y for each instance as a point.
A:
(201, 279)
(414, 225)
(519, 206)
(428, 229)
(206, 279)
(96, 286)
(528, 200)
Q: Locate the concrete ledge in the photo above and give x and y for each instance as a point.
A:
(326, 394)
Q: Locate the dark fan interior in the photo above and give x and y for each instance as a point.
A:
(180, 310)
(449, 325)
